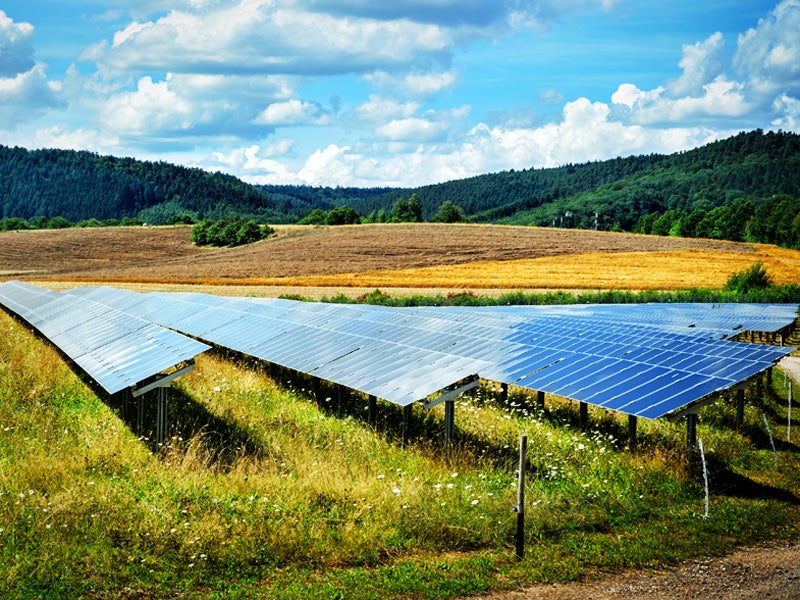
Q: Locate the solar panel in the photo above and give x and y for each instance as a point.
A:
(643, 360)
(116, 349)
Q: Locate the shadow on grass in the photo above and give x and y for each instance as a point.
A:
(724, 482)
(221, 442)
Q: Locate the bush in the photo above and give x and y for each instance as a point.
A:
(231, 231)
(754, 277)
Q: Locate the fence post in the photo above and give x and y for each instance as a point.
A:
(523, 447)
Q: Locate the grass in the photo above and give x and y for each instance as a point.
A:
(263, 491)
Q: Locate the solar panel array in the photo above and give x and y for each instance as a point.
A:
(718, 320)
(646, 362)
(386, 368)
(116, 349)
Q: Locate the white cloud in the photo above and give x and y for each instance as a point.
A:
(25, 96)
(254, 36)
(378, 109)
(292, 112)
(412, 129)
(334, 164)
(16, 47)
(414, 85)
(151, 109)
(60, 136)
(586, 131)
(700, 64)
(788, 111)
(768, 55)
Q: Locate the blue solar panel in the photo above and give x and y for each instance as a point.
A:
(644, 360)
(114, 348)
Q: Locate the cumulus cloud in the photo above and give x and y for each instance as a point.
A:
(253, 36)
(153, 107)
(292, 112)
(16, 47)
(700, 64)
(379, 109)
(768, 55)
(24, 88)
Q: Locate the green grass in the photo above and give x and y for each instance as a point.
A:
(263, 492)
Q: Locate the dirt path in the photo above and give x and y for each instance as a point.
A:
(759, 573)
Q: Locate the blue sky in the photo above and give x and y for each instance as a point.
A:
(401, 93)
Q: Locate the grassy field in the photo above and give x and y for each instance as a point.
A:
(265, 491)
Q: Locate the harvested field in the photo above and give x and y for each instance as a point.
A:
(408, 256)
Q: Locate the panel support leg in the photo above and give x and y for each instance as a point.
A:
(633, 421)
(583, 412)
(161, 419)
(503, 393)
(691, 442)
(140, 416)
(372, 411)
(406, 423)
(127, 398)
(449, 426)
(540, 399)
(739, 408)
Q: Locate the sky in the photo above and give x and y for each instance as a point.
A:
(398, 93)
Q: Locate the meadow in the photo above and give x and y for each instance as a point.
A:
(265, 489)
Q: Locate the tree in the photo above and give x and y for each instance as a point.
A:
(342, 215)
(405, 211)
(315, 217)
(450, 213)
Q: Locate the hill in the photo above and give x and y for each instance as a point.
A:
(744, 188)
(615, 194)
(83, 185)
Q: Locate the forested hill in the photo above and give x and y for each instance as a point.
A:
(83, 185)
(743, 187)
(617, 193)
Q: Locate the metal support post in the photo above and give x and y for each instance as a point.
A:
(449, 426)
(583, 412)
(161, 419)
(540, 399)
(633, 421)
(406, 423)
(520, 508)
(503, 393)
(140, 416)
(739, 408)
(372, 411)
(691, 442)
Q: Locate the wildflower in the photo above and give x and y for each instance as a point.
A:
(396, 491)
(474, 502)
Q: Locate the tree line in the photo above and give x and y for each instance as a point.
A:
(744, 188)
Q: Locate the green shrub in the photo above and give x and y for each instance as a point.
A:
(755, 277)
(231, 231)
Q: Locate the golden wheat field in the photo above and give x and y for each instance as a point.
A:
(408, 258)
